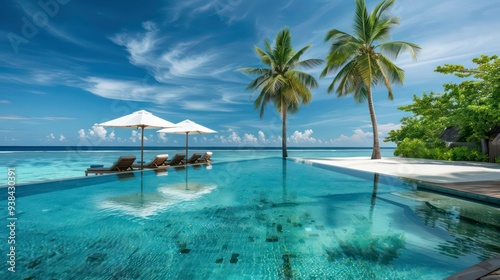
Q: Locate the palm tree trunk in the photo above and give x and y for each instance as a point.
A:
(373, 117)
(283, 134)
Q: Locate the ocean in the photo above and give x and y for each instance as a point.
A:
(35, 164)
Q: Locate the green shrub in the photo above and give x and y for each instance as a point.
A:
(497, 160)
(411, 148)
(467, 154)
(440, 153)
(416, 148)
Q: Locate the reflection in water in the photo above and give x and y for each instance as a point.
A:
(366, 242)
(476, 229)
(144, 204)
(376, 178)
(125, 175)
(283, 178)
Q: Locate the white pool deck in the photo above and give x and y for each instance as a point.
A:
(435, 171)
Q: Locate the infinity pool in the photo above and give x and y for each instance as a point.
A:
(256, 219)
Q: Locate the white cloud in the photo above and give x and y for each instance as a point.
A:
(98, 131)
(234, 137)
(136, 136)
(383, 129)
(262, 136)
(162, 136)
(62, 138)
(249, 138)
(178, 63)
(358, 137)
(129, 90)
(228, 11)
(81, 134)
(302, 137)
(146, 50)
(4, 102)
(207, 106)
(51, 136)
(185, 96)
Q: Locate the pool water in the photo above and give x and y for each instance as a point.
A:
(254, 219)
(38, 165)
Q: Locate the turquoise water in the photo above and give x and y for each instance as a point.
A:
(252, 219)
(39, 165)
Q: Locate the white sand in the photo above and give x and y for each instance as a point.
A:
(436, 171)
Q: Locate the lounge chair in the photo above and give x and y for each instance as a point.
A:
(206, 158)
(177, 160)
(193, 159)
(123, 163)
(158, 161)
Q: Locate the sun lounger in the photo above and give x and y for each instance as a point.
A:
(123, 163)
(193, 159)
(158, 161)
(177, 160)
(206, 158)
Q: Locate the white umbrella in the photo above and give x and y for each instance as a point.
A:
(140, 119)
(187, 127)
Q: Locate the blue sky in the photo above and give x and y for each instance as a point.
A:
(67, 65)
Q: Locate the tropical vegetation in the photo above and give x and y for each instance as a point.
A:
(280, 82)
(471, 107)
(363, 60)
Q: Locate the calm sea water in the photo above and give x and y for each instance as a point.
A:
(35, 164)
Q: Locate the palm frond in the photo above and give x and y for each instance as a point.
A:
(306, 79)
(361, 95)
(298, 54)
(393, 73)
(362, 21)
(283, 46)
(383, 7)
(264, 57)
(367, 68)
(257, 83)
(346, 74)
(393, 49)
(309, 63)
(253, 71)
(344, 47)
(334, 33)
(382, 28)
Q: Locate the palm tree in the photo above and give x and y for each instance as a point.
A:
(281, 83)
(362, 62)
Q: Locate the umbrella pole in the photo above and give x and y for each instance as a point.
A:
(142, 147)
(187, 154)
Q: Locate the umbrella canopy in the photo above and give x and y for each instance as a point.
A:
(140, 119)
(187, 127)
